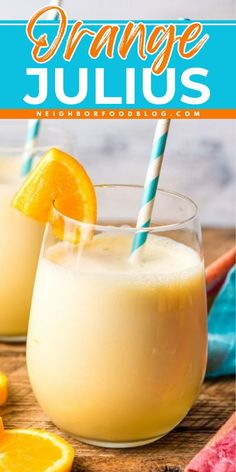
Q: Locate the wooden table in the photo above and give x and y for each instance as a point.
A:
(170, 454)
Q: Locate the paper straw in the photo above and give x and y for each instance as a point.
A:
(150, 187)
(31, 137)
(151, 184)
(34, 125)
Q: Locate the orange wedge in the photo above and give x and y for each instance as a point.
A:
(24, 450)
(61, 180)
(3, 389)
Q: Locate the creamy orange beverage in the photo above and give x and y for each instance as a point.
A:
(116, 346)
(20, 241)
(117, 350)
(20, 236)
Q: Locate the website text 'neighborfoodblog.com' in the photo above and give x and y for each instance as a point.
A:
(116, 114)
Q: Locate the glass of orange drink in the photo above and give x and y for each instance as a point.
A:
(116, 348)
(20, 237)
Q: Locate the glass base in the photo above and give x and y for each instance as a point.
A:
(118, 445)
(13, 339)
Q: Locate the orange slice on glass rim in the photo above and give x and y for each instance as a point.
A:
(35, 450)
(58, 180)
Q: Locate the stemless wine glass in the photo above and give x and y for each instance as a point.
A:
(20, 237)
(116, 349)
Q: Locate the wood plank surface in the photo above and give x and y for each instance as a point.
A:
(171, 453)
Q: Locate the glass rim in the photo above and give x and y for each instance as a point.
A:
(19, 149)
(132, 229)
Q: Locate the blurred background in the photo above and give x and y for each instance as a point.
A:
(200, 154)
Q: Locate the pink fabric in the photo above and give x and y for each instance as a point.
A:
(216, 457)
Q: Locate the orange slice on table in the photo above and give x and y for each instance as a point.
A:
(3, 389)
(24, 450)
(61, 180)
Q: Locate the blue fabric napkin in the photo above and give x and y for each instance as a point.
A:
(221, 330)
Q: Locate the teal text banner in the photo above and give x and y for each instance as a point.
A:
(204, 82)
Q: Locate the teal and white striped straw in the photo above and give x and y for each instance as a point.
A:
(151, 184)
(34, 125)
(31, 138)
(150, 187)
